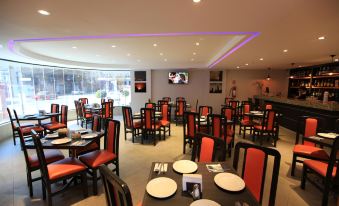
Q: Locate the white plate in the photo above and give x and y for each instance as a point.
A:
(89, 136)
(204, 202)
(157, 113)
(51, 136)
(229, 181)
(161, 187)
(185, 166)
(328, 135)
(255, 112)
(137, 114)
(61, 141)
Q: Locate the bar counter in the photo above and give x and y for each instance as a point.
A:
(293, 109)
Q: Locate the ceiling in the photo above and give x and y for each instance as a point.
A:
(231, 34)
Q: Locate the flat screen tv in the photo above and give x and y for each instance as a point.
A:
(178, 77)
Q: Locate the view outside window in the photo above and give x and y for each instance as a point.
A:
(29, 88)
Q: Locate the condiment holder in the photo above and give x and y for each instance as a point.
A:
(63, 132)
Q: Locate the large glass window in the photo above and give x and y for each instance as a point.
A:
(29, 88)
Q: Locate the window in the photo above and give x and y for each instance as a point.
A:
(29, 88)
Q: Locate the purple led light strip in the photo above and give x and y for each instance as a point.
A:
(11, 43)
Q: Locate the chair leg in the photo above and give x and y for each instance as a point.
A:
(29, 182)
(95, 181)
(184, 149)
(303, 178)
(169, 129)
(49, 195)
(43, 190)
(294, 161)
(125, 134)
(325, 194)
(14, 138)
(84, 184)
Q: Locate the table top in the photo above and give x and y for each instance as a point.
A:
(210, 189)
(37, 116)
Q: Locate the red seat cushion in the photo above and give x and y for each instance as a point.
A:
(319, 167)
(310, 151)
(87, 115)
(246, 122)
(51, 155)
(137, 124)
(27, 130)
(55, 126)
(91, 147)
(164, 123)
(96, 158)
(230, 132)
(228, 139)
(64, 167)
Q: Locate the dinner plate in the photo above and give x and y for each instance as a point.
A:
(61, 141)
(229, 182)
(185, 166)
(137, 114)
(204, 202)
(161, 187)
(157, 113)
(255, 112)
(328, 135)
(89, 136)
(51, 136)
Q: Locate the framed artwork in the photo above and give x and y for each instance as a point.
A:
(140, 87)
(216, 76)
(215, 88)
(139, 76)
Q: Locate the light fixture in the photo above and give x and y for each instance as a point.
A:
(155, 45)
(321, 38)
(196, 1)
(128, 54)
(197, 43)
(74, 47)
(161, 54)
(113, 46)
(44, 12)
(165, 60)
(332, 56)
(261, 59)
(192, 59)
(238, 67)
(268, 78)
(336, 60)
(194, 53)
(285, 50)
(246, 64)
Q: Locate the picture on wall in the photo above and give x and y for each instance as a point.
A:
(140, 87)
(140, 76)
(215, 87)
(215, 76)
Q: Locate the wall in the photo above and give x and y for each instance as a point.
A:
(138, 100)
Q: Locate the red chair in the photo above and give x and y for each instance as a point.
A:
(165, 122)
(180, 108)
(84, 115)
(245, 120)
(254, 169)
(268, 106)
(83, 100)
(307, 149)
(218, 125)
(180, 99)
(168, 99)
(61, 170)
(150, 105)
(190, 128)
(58, 125)
(149, 125)
(208, 148)
(195, 109)
(106, 112)
(109, 155)
(130, 126)
(267, 127)
(15, 126)
(32, 161)
(326, 170)
(26, 130)
(229, 113)
(235, 106)
(204, 111)
(77, 107)
(54, 109)
(116, 190)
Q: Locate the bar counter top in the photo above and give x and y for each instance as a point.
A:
(315, 104)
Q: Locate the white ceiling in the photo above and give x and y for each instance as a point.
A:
(287, 24)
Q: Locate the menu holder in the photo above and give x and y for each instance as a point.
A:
(189, 180)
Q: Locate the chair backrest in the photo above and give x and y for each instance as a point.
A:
(180, 107)
(23, 147)
(107, 109)
(207, 148)
(55, 109)
(254, 169)
(180, 99)
(83, 100)
(246, 108)
(76, 104)
(161, 102)
(228, 112)
(128, 118)
(103, 100)
(96, 123)
(337, 126)
(112, 134)
(168, 99)
(205, 110)
(17, 122)
(215, 123)
(41, 156)
(81, 109)
(148, 118)
(150, 105)
(116, 190)
(190, 122)
(63, 117)
(14, 124)
(269, 120)
(165, 112)
(268, 106)
(333, 164)
(308, 126)
(234, 104)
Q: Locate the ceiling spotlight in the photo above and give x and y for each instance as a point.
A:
(285, 50)
(196, 1)
(321, 38)
(238, 67)
(261, 59)
(246, 64)
(336, 60)
(161, 54)
(155, 45)
(113, 46)
(165, 60)
(197, 43)
(74, 47)
(192, 59)
(268, 77)
(128, 54)
(194, 53)
(43, 12)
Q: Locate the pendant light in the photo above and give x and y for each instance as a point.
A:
(268, 78)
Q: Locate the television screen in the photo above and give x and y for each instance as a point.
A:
(178, 77)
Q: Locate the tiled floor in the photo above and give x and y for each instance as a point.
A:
(135, 162)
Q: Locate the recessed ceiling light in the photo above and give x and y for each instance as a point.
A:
(74, 47)
(336, 60)
(138, 60)
(246, 64)
(194, 53)
(43, 12)
(165, 60)
(113, 46)
(155, 45)
(192, 59)
(128, 54)
(161, 54)
(321, 38)
(261, 59)
(196, 1)
(285, 50)
(1, 46)
(238, 67)
(197, 43)
(299, 66)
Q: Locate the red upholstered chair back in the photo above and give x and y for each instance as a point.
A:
(180, 99)
(246, 109)
(103, 100)
(128, 118)
(83, 100)
(166, 112)
(215, 122)
(268, 106)
(311, 126)
(234, 104)
(54, 109)
(269, 120)
(76, 104)
(23, 147)
(107, 110)
(190, 124)
(13, 123)
(205, 110)
(180, 107)
(168, 99)
(254, 169)
(96, 120)
(150, 105)
(117, 192)
(205, 148)
(112, 133)
(41, 156)
(63, 117)
(161, 102)
(148, 118)
(81, 109)
(228, 112)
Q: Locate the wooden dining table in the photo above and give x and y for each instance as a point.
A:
(322, 140)
(37, 117)
(210, 190)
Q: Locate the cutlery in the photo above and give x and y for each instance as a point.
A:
(160, 168)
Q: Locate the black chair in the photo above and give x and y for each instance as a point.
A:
(149, 125)
(116, 190)
(180, 108)
(266, 127)
(190, 129)
(254, 169)
(130, 126)
(207, 148)
(16, 125)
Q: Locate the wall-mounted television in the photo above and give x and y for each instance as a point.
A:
(178, 77)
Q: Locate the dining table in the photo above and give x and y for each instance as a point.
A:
(323, 138)
(210, 190)
(37, 117)
(137, 115)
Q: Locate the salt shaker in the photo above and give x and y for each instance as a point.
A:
(195, 192)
